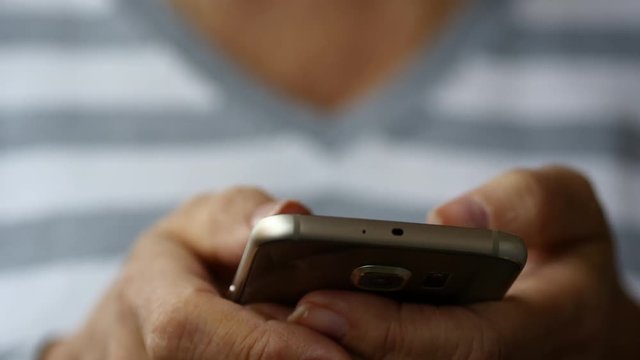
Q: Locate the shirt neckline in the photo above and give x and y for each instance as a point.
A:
(380, 106)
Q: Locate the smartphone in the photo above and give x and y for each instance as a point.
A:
(288, 256)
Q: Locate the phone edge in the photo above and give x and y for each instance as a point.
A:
(272, 228)
(286, 227)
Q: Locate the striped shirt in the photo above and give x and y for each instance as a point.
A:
(112, 113)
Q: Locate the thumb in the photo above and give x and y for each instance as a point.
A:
(375, 327)
(549, 208)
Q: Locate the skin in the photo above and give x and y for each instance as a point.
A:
(567, 304)
(167, 302)
(325, 53)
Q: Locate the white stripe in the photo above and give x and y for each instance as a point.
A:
(537, 91)
(578, 13)
(40, 183)
(79, 7)
(50, 300)
(41, 77)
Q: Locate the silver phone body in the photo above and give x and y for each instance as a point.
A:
(288, 256)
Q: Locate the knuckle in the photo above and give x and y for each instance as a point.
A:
(245, 192)
(166, 333)
(393, 342)
(199, 200)
(204, 205)
(555, 179)
(536, 198)
(207, 205)
(551, 185)
(531, 187)
(570, 179)
(268, 346)
(185, 212)
(398, 339)
(174, 330)
(209, 216)
(555, 205)
(477, 340)
(485, 346)
(526, 179)
(556, 192)
(195, 205)
(262, 343)
(408, 339)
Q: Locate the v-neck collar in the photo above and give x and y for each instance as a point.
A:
(378, 107)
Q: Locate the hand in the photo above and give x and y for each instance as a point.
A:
(167, 303)
(567, 303)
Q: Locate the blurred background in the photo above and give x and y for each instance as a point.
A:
(112, 112)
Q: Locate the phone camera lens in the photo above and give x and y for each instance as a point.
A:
(380, 281)
(380, 278)
(397, 231)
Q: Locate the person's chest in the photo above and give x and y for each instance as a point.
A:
(97, 141)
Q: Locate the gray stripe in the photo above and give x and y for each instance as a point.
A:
(382, 105)
(112, 233)
(393, 106)
(72, 31)
(508, 37)
(619, 139)
(109, 127)
(628, 247)
(68, 237)
(338, 203)
(515, 41)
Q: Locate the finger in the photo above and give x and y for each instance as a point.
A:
(225, 270)
(276, 208)
(556, 212)
(549, 208)
(375, 327)
(124, 340)
(182, 316)
(225, 216)
(217, 226)
(111, 332)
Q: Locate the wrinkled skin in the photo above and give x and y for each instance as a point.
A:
(168, 301)
(567, 303)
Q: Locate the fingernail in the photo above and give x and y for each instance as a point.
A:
(278, 207)
(320, 319)
(464, 211)
(265, 210)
